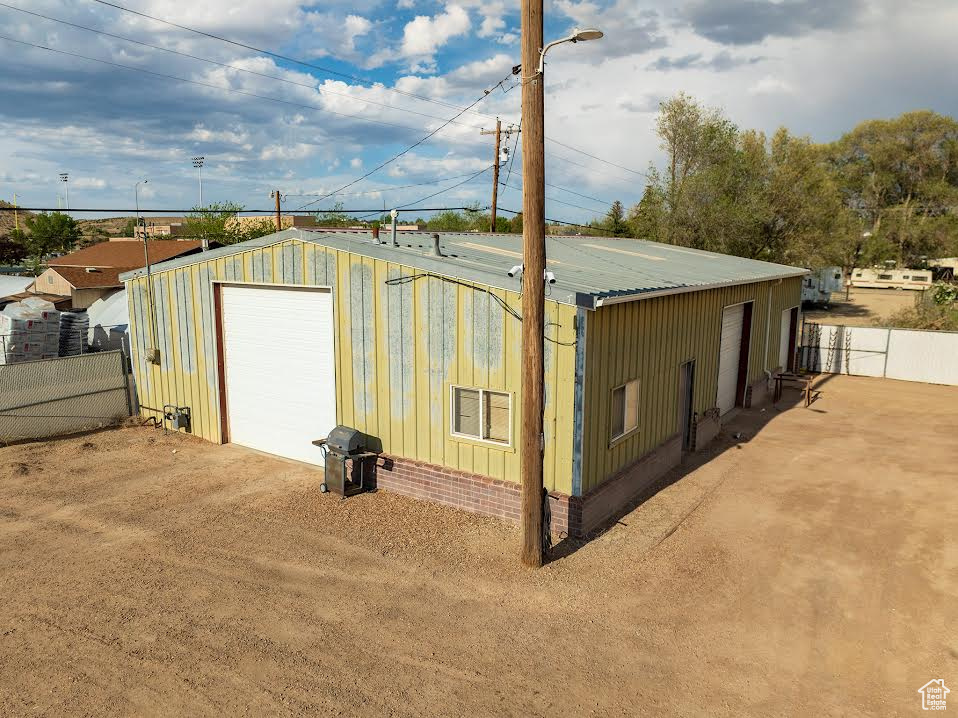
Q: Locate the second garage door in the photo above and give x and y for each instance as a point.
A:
(279, 368)
(733, 321)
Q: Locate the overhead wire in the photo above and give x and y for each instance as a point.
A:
(384, 189)
(322, 91)
(211, 85)
(434, 194)
(285, 58)
(411, 147)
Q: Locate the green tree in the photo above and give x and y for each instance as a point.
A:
(334, 217)
(214, 223)
(49, 233)
(615, 220)
(13, 247)
(901, 177)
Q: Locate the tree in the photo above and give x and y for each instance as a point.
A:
(334, 217)
(615, 220)
(13, 247)
(51, 232)
(901, 177)
(215, 222)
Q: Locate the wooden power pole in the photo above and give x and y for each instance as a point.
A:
(495, 172)
(495, 166)
(533, 295)
(279, 213)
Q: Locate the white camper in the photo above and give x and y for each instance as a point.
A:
(818, 286)
(891, 278)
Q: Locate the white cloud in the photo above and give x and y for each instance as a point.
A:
(424, 35)
(88, 183)
(770, 85)
(356, 163)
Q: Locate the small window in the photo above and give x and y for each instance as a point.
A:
(884, 276)
(481, 414)
(625, 409)
(907, 277)
(858, 274)
(49, 279)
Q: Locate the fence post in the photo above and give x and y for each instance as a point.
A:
(126, 382)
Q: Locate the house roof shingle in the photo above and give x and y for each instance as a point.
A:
(125, 255)
(101, 278)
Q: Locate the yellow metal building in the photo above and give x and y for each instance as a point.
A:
(647, 346)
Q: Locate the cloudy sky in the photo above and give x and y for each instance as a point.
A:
(384, 73)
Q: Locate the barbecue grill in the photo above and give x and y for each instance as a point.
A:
(345, 451)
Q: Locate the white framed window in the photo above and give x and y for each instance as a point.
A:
(625, 409)
(481, 415)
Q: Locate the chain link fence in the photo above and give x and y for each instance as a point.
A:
(52, 397)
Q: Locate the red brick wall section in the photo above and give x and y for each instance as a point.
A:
(569, 515)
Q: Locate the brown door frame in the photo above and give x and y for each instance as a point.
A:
(792, 331)
(221, 361)
(743, 357)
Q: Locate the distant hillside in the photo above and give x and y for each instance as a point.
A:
(7, 218)
(113, 226)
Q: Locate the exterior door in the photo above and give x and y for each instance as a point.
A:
(785, 340)
(686, 392)
(279, 368)
(730, 352)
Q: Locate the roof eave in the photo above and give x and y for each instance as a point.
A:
(623, 298)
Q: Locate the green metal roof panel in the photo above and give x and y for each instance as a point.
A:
(589, 271)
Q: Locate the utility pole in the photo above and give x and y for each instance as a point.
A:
(495, 166)
(279, 214)
(16, 215)
(533, 296)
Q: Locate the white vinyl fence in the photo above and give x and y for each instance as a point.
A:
(906, 354)
(52, 397)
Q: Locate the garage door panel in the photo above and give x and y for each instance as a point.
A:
(733, 322)
(279, 365)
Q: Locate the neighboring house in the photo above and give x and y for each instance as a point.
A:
(648, 349)
(93, 272)
(288, 220)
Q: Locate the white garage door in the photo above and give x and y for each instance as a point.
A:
(732, 322)
(279, 364)
(785, 339)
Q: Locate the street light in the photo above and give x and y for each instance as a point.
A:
(65, 178)
(589, 33)
(198, 164)
(531, 438)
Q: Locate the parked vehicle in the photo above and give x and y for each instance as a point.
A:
(892, 278)
(818, 287)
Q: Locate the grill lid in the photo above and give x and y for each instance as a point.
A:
(346, 440)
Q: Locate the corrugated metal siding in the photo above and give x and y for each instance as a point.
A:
(649, 340)
(399, 349)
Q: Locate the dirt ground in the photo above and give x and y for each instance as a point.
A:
(810, 568)
(864, 307)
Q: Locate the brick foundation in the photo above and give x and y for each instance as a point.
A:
(569, 515)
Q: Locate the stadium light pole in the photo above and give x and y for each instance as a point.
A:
(65, 178)
(531, 437)
(198, 164)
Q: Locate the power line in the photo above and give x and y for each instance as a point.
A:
(386, 189)
(586, 167)
(563, 222)
(515, 146)
(205, 210)
(285, 58)
(214, 87)
(577, 194)
(445, 189)
(553, 199)
(608, 162)
(322, 91)
(412, 146)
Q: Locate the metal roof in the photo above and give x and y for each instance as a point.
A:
(589, 271)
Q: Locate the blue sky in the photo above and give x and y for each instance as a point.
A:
(817, 67)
